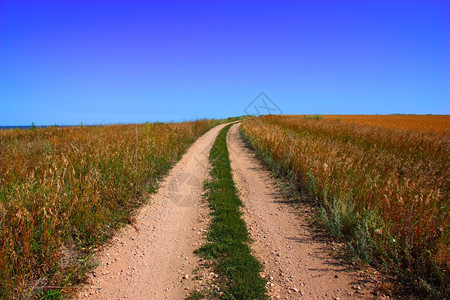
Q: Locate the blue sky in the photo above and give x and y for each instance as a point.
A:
(66, 62)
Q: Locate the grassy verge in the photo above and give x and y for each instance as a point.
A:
(64, 191)
(228, 240)
(383, 191)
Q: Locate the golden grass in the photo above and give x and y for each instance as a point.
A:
(64, 190)
(423, 123)
(384, 190)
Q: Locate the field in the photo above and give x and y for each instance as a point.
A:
(381, 184)
(63, 192)
(439, 124)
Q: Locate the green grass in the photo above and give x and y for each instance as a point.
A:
(313, 117)
(228, 240)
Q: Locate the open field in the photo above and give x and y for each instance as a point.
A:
(422, 123)
(63, 191)
(385, 191)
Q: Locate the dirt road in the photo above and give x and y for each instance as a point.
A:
(296, 261)
(151, 259)
(154, 258)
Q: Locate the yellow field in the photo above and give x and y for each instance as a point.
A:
(423, 123)
(385, 191)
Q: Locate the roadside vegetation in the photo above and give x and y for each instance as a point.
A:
(65, 190)
(227, 239)
(384, 191)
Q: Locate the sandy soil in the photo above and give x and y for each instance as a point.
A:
(154, 259)
(296, 258)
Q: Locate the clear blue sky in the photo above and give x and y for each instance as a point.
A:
(66, 62)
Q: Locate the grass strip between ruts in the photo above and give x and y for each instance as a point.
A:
(228, 239)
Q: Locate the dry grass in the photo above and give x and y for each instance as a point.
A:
(64, 190)
(384, 190)
(422, 123)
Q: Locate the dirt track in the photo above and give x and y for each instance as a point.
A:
(151, 259)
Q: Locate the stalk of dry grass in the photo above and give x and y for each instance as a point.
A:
(63, 191)
(386, 191)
